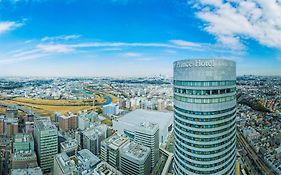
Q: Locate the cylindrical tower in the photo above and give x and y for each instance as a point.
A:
(204, 117)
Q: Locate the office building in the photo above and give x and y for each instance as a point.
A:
(91, 138)
(126, 125)
(11, 126)
(63, 165)
(2, 118)
(147, 134)
(135, 159)
(46, 139)
(70, 147)
(24, 159)
(12, 113)
(27, 171)
(204, 117)
(110, 149)
(111, 109)
(104, 168)
(86, 162)
(23, 142)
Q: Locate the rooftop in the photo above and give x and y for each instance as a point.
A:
(24, 155)
(135, 151)
(104, 168)
(23, 137)
(86, 161)
(29, 171)
(148, 125)
(115, 141)
(65, 163)
(69, 144)
(138, 116)
(44, 124)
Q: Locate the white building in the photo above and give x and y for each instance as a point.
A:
(110, 149)
(111, 109)
(205, 125)
(63, 165)
(147, 134)
(127, 124)
(104, 168)
(135, 159)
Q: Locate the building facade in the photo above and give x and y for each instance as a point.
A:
(110, 149)
(135, 159)
(147, 134)
(46, 139)
(204, 117)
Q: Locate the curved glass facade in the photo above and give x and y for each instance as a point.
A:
(204, 117)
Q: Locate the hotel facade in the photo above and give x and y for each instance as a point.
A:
(204, 117)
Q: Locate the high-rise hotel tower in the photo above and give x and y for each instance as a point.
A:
(204, 117)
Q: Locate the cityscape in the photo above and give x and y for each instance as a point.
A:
(121, 87)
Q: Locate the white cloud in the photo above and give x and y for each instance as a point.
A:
(6, 26)
(231, 21)
(132, 54)
(55, 48)
(61, 37)
(185, 43)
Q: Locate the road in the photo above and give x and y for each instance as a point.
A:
(258, 161)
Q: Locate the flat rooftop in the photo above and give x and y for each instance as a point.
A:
(140, 115)
(29, 171)
(115, 141)
(69, 144)
(148, 125)
(104, 168)
(135, 152)
(24, 155)
(65, 162)
(23, 137)
(44, 124)
(86, 161)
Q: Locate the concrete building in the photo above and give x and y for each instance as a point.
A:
(2, 118)
(11, 126)
(126, 125)
(135, 159)
(24, 159)
(28, 171)
(83, 122)
(29, 123)
(12, 113)
(23, 142)
(111, 109)
(63, 165)
(67, 122)
(87, 162)
(110, 149)
(5, 153)
(104, 168)
(70, 147)
(147, 134)
(204, 117)
(91, 138)
(46, 139)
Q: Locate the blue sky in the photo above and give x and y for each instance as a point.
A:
(136, 37)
